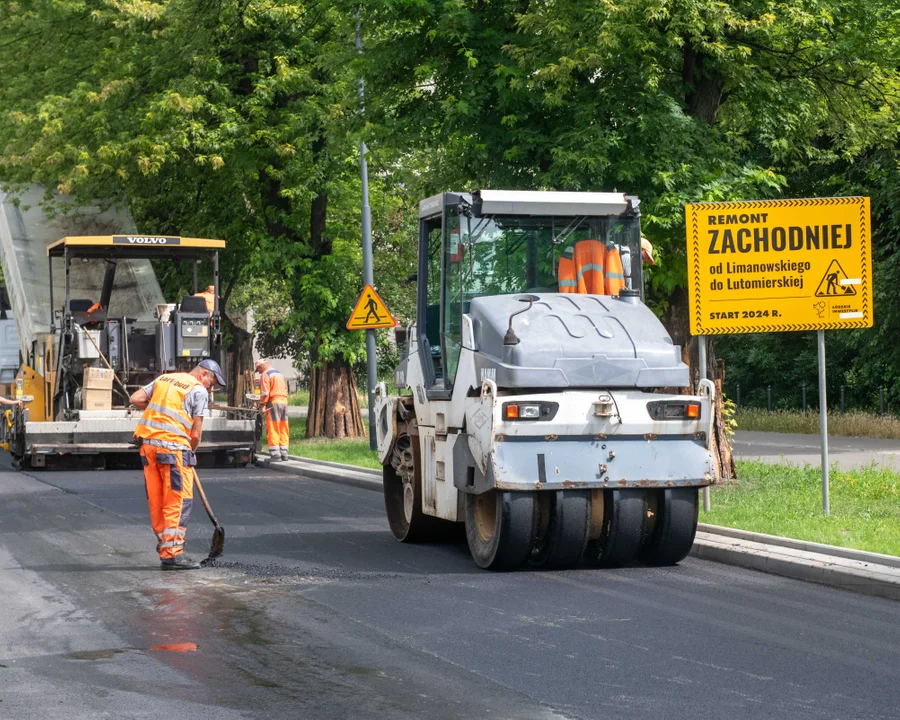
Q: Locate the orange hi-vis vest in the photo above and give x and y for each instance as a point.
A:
(614, 277)
(165, 420)
(210, 300)
(273, 387)
(593, 269)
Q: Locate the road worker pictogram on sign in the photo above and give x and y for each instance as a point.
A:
(370, 312)
(779, 265)
(836, 283)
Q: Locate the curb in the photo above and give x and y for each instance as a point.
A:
(324, 470)
(856, 570)
(868, 578)
(803, 545)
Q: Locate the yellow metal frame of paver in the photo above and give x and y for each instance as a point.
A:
(143, 243)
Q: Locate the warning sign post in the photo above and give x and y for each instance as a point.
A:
(370, 312)
(781, 266)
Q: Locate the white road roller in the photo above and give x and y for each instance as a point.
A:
(533, 406)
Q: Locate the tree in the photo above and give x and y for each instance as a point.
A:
(228, 118)
(674, 100)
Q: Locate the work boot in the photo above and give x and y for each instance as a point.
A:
(179, 562)
(284, 456)
(274, 457)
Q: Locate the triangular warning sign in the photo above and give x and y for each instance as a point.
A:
(835, 283)
(370, 312)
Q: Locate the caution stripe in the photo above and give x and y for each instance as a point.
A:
(782, 328)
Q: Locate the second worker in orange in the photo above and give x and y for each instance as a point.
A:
(273, 397)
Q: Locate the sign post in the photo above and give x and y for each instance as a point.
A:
(823, 421)
(701, 352)
(781, 266)
(368, 276)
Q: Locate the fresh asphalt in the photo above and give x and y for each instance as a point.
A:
(847, 452)
(316, 612)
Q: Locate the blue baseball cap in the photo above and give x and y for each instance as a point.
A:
(214, 368)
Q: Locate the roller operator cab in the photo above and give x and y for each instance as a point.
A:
(532, 406)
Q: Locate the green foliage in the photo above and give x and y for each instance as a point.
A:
(674, 101)
(860, 360)
(226, 119)
(239, 119)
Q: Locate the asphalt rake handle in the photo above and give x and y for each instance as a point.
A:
(217, 546)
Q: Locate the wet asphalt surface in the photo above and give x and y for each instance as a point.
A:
(316, 612)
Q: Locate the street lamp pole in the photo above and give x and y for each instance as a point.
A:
(368, 274)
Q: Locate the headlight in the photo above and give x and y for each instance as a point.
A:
(529, 410)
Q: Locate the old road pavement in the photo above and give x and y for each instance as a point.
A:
(847, 452)
(318, 613)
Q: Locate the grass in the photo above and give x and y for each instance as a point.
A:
(299, 398)
(786, 500)
(348, 452)
(855, 424)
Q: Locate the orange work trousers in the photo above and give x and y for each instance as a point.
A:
(169, 481)
(278, 433)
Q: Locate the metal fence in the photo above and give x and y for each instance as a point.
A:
(774, 397)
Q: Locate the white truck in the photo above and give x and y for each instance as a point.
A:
(533, 404)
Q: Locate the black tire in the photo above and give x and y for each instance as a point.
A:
(563, 528)
(622, 527)
(407, 521)
(674, 526)
(500, 528)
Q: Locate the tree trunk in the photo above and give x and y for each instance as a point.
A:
(678, 324)
(334, 410)
(703, 85)
(239, 361)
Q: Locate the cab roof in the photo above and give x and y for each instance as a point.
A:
(535, 203)
(133, 246)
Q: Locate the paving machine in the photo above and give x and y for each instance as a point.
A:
(77, 378)
(533, 405)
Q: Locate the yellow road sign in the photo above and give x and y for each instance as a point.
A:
(370, 312)
(779, 265)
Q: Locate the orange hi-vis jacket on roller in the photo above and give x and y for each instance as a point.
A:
(168, 461)
(593, 269)
(209, 296)
(273, 395)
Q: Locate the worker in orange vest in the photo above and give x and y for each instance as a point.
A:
(594, 268)
(273, 396)
(209, 295)
(95, 312)
(169, 433)
(591, 268)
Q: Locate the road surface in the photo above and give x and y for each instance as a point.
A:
(318, 613)
(847, 452)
